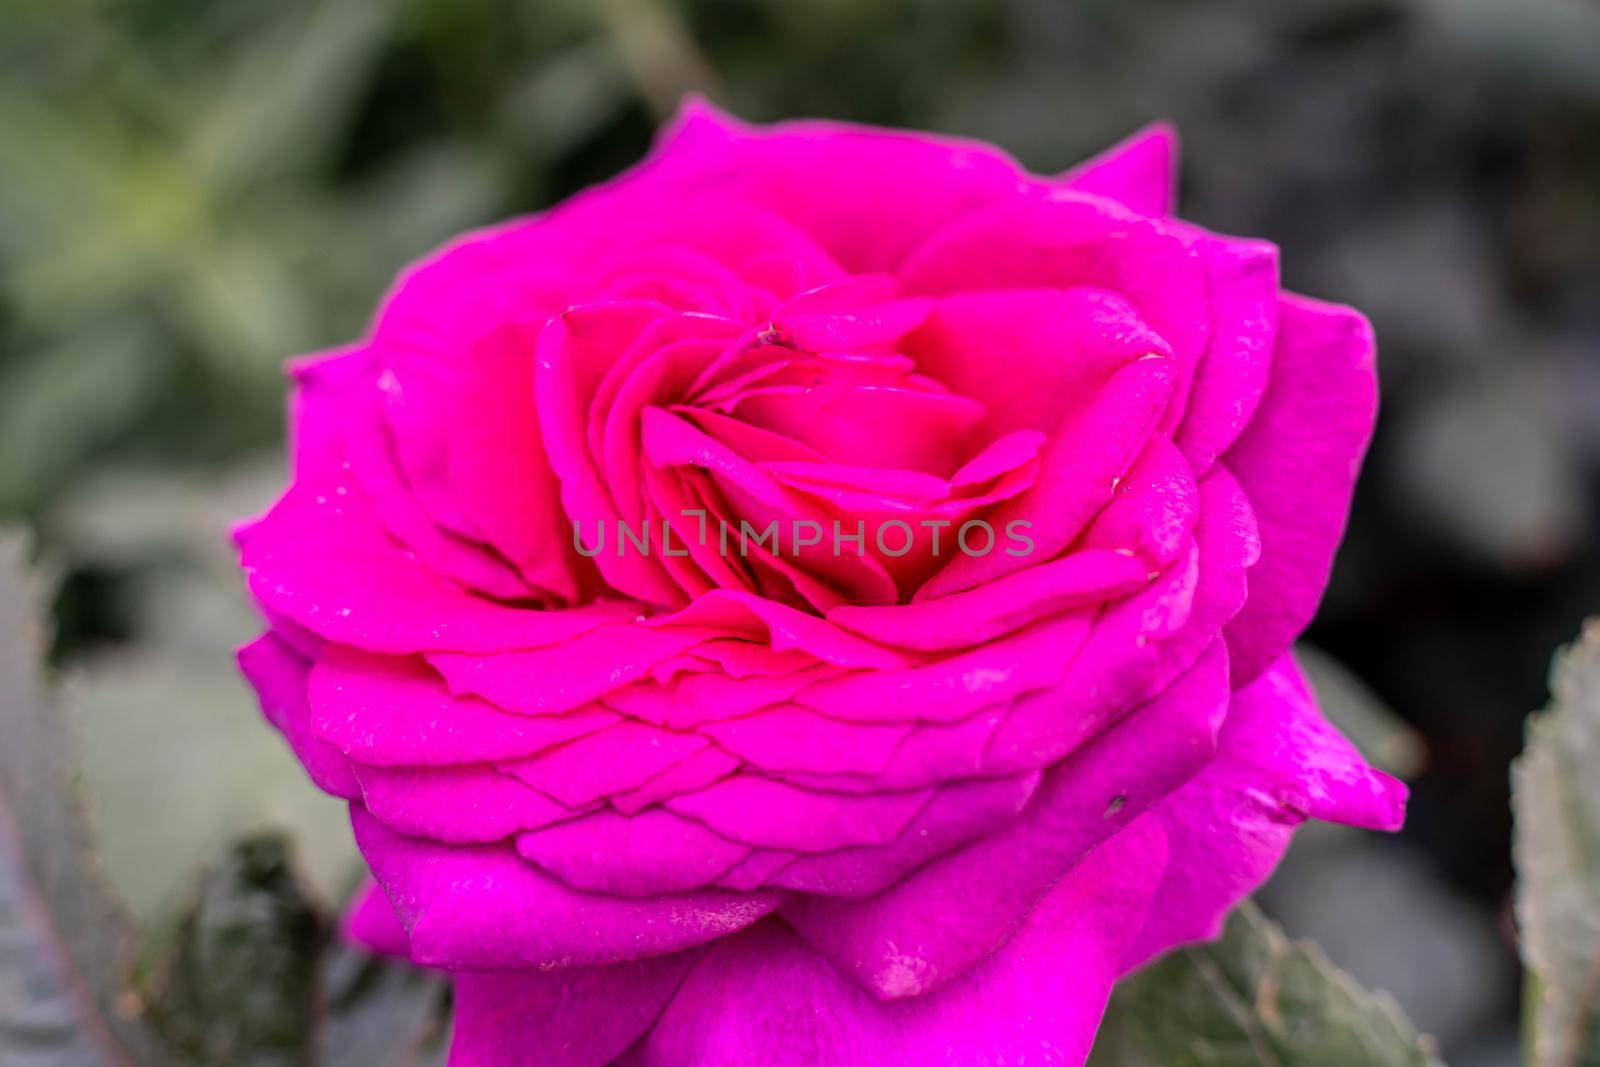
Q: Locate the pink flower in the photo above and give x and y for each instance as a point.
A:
(1004, 708)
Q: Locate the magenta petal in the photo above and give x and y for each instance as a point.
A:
(1140, 172)
(999, 607)
(279, 675)
(574, 353)
(772, 814)
(567, 674)
(645, 854)
(461, 805)
(786, 737)
(958, 813)
(369, 921)
(1228, 383)
(1029, 356)
(367, 450)
(1066, 240)
(1297, 461)
(1278, 763)
(321, 559)
(955, 687)
(318, 419)
(782, 628)
(498, 468)
(763, 997)
(618, 759)
(484, 907)
(1153, 511)
(1080, 468)
(573, 1017)
(866, 195)
(930, 928)
(397, 711)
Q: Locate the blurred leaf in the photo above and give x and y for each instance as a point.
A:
(1254, 999)
(1556, 846)
(240, 982)
(91, 211)
(1486, 467)
(64, 943)
(60, 402)
(565, 99)
(166, 716)
(245, 306)
(279, 107)
(168, 723)
(129, 515)
(658, 51)
(255, 978)
(1552, 41)
(381, 1012)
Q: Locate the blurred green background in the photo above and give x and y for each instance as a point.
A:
(193, 190)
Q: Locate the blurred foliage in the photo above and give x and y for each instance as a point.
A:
(1254, 998)
(65, 944)
(251, 976)
(193, 190)
(1557, 849)
(239, 984)
(255, 978)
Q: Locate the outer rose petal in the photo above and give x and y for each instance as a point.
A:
(1278, 763)
(928, 929)
(392, 711)
(278, 673)
(1140, 172)
(369, 920)
(763, 997)
(866, 195)
(321, 559)
(484, 907)
(579, 1017)
(1231, 376)
(1297, 462)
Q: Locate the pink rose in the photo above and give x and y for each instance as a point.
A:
(1003, 709)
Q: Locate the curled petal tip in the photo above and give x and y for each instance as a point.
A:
(1140, 171)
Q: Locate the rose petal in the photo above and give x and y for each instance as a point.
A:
(320, 558)
(279, 675)
(930, 928)
(574, 1017)
(392, 711)
(1278, 763)
(1297, 461)
(1140, 171)
(866, 195)
(369, 921)
(645, 854)
(764, 997)
(483, 907)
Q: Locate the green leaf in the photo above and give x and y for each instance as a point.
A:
(239, 986)
(58, 404)
(64, 942)
(1556, 846)
(279, 108)
(1254, 998)
(255, 978)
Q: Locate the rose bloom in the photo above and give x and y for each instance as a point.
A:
(675, 803)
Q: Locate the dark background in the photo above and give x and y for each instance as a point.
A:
(191, 191)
